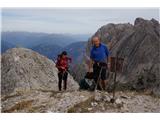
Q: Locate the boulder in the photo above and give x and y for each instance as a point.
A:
(24, 70)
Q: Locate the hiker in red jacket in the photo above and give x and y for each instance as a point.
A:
(62, 65)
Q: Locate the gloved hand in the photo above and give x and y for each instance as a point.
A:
(90, 70)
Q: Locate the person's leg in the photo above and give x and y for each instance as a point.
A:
(103, 78)
(103, 84)
(65, 80)
(60, 80)
(95, 71)
(96, 74)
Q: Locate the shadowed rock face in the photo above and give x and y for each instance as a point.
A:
(25, 70)
(139, 44)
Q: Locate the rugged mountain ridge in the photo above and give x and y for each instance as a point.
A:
(139, 45)
(49, 50)
(76, 50)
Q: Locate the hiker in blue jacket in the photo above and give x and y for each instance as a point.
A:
(99, 55)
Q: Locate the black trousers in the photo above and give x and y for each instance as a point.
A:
(99, 72)
(62, 76)
(97, 68)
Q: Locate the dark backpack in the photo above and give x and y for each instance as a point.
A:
(87, 83)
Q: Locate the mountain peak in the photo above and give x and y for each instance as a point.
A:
(138, 44)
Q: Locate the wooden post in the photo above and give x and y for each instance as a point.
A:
(115, 75)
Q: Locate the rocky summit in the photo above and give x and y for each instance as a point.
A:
(25, 70)
(139, 45)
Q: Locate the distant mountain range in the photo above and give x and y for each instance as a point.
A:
(29, 39)
(76, 50)
(46, 44)
(5, 46)
(49, 50)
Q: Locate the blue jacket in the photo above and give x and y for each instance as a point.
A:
(99, 54)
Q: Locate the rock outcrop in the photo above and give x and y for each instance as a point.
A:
(25, 70)
(139, 45)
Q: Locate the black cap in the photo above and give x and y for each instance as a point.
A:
(64, 53)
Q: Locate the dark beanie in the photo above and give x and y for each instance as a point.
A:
(64, 53)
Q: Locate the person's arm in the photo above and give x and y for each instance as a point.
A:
(91, 60)
(90, 65)
(57, 64)
(59, 67)
(69, 59)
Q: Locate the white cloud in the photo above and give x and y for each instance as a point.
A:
(69, 20)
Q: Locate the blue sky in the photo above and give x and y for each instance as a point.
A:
(72, 21)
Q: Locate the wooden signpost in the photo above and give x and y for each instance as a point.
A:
(116, 67)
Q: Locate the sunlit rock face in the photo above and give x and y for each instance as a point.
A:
(25, 70)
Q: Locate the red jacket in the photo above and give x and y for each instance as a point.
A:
(62, 63)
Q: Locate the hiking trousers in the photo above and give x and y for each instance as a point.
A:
(62, 76)
(100, 72)
(97, 67)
